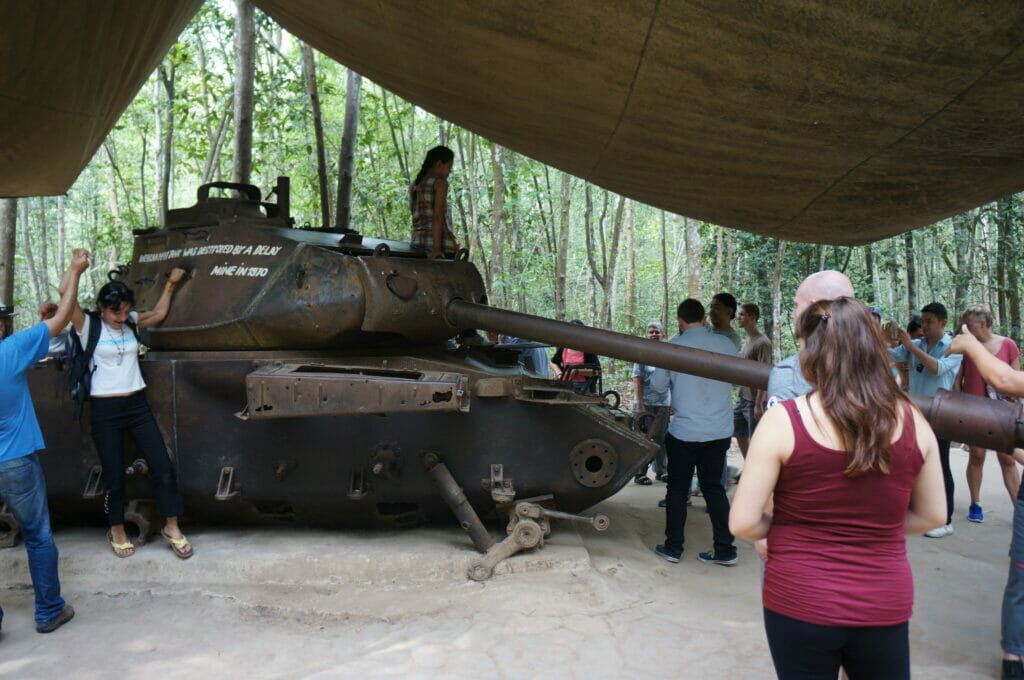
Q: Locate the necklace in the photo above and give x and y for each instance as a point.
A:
(119, 346)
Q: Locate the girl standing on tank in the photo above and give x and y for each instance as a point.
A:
(428, 202)
(852, 467)
(119, 405)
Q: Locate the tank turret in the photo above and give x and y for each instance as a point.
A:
(256, 283)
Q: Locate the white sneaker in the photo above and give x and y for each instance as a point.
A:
(940, 532)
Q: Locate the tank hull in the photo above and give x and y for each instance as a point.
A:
(320, 470)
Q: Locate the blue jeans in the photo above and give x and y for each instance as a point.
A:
(1013, 596)
(23, 488)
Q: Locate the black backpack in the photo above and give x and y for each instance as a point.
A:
(79, 371)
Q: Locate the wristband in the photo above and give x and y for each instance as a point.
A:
(169, 287)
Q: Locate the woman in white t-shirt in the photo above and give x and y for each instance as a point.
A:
(119, 405)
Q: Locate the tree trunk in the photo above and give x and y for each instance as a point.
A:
(613, 258)
(44, 248)
(729, 263)
(894, 278)
(693, 257)
(8, 243)
(1013, 277)
(469, 218)
(518, 263)
(776, 331)
(346, 161)
(908, 249)
(398, 140)
(871, 294)
(496, 282)
(245, 67)
(716, 271)
(62, 234)
(985, 280)
(112, 203)
(664, 269)
(631, 320)
(166, 142)
(30, 255)
(562, 248)
(211, 171)
(597, 272)
(1002, 217)
(473, 180)
(309, 76)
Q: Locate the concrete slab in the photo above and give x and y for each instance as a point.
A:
(284, 604)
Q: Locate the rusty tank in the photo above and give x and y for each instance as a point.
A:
(303, 377)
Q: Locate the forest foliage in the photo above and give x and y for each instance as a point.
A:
(625, 263)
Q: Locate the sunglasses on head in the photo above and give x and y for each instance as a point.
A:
(115, 295)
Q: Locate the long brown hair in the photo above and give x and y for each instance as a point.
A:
(845, 360)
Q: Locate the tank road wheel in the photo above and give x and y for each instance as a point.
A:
(140, 520)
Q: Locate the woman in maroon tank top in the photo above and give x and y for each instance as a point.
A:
(835, 480)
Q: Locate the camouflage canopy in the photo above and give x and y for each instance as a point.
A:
(837, 121)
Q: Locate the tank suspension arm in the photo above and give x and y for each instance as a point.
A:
(456, 500)
(954, 416)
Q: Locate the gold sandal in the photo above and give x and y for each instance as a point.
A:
(122, 550)
(180, 546)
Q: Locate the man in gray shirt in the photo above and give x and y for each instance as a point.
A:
(698, 437)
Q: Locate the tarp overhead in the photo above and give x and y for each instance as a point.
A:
(839, 121)
(67, 72)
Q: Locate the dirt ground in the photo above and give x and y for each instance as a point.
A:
(274, 603)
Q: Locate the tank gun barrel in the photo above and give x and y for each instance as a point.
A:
(954, 416)
(697, 362)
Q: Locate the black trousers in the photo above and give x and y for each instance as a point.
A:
(709, 460)
(807, 651)
(111, 418)
(947, 478)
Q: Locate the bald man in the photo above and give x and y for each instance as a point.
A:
(787, 380)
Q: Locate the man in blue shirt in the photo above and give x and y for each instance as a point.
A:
(698, 436)
(22, 486)
(930, 369)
